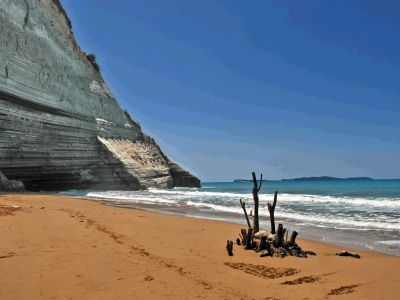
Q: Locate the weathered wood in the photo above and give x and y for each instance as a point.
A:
(263, 243)
(249, 239)
(256, 189)
(283, 235)
(229, 247)
(271, 209)
(293, 237)
(278, 242)
(346, 253)
(238, 242)
(244, 236)
(243, 205)
(268, 250)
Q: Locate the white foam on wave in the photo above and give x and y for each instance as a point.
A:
(129, 198)
(228, 203)
(390, 242)
(344, 222)
(215, 207)
(285, 198)
(377, 202)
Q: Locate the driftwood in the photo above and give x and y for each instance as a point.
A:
(261, 233)
(278, 247)
(243, 205)
(271, 209)
(229, 247)
(346, 253)
(238, 242)
(274, 243)
(256, 189)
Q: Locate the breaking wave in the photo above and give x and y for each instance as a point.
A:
(319, 210)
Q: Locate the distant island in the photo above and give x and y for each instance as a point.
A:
(319, 178)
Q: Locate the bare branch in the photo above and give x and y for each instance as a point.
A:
(261, 180)
(243, 205)
(275, 199)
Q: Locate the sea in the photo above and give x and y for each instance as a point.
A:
(355, 214)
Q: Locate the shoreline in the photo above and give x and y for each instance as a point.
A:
(367, 240)
(226, 221)
(64, 247)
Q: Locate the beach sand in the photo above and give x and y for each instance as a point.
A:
(57, 247)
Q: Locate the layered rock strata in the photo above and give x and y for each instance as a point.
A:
(60, 126)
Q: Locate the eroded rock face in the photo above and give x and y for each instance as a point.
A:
(182, 177)
(60, 126)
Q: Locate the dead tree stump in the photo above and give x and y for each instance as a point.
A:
(278, 242)
(283, 235)
(229, 247)
(271, 209)
(244, 236)
(249, 239)
(263, 243)
(256, 189)
(293, 238)
(268, 250)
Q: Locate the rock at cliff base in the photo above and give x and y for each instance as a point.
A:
(10, 185)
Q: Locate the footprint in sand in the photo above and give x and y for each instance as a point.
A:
(343, 290)
(11, 254)
(262, 271)
(301, 280)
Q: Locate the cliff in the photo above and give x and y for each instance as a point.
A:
(60, 126)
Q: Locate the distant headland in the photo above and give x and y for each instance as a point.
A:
(317, 178)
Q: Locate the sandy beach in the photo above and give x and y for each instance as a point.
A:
(58, 247)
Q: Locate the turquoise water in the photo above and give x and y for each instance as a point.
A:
(370, 189)
(354, 214)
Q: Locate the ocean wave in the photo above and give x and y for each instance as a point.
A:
(317, 210)
(349, 222)
(390, 242)
(113, 196)
(215, 207)
(284, 198)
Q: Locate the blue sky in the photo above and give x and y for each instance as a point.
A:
(286, 88)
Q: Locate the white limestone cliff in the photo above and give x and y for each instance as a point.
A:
(60, 126)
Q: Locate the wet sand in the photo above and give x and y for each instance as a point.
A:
(57, 247)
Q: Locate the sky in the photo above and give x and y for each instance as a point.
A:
(283, 88)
